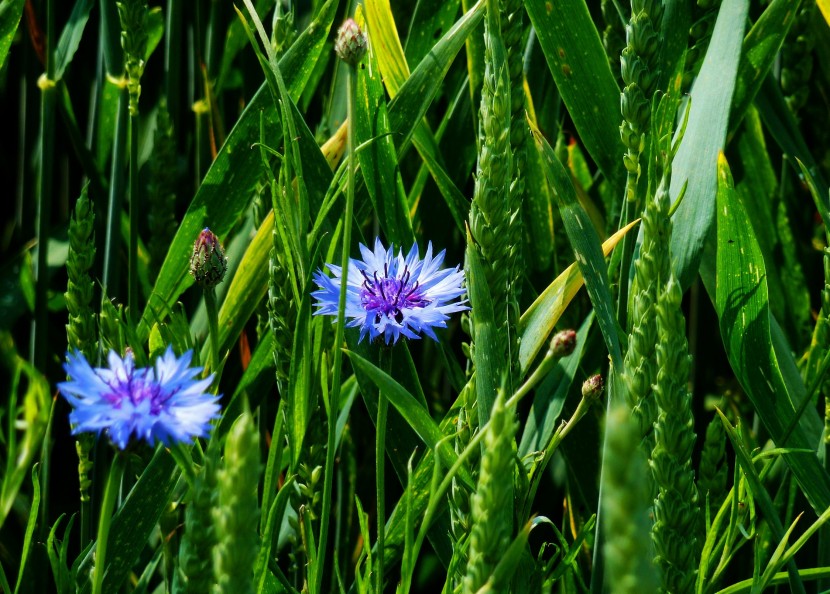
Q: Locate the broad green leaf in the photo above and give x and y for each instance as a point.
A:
(413, 412)
(743, 312)
(135, 521)
(757, 184)
(585, 244)
(537, 207)
(538, 320)
(71, 36)
(10, 13)
(695, 163)
(235, 41)
(378, 161)
(782, 126)
(579, 65)
(227, 188)
(760, 48)
(416, 93)
(418, 90)
(384, 35)
(430, 19)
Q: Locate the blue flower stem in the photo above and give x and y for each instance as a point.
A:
(213, 330)
(110, 493)
(380, 462)
(325, 514)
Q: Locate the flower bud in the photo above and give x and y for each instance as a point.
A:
(208, 263)
(563, 343)
(593, 387)
(351, 43)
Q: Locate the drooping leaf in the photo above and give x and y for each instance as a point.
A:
(585, 244)
(743, 311)
(579, 65)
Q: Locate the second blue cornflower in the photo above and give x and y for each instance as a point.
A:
(389, 296)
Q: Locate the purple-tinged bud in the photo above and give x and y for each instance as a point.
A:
(351, 42)
(593, 387)
(563, 343)
(208, 263)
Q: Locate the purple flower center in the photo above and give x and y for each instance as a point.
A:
(136, 389)
(388, 296)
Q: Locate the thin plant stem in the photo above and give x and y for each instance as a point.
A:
(114, 60)
(325, 515)
(110, 493)
(40, 328)
(132, 284)
(213, 327)
(380, 462)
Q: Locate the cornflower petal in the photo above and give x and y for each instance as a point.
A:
(165, 403)
(389, 295)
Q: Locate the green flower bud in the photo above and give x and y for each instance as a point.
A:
(351, 43)
(208, 263)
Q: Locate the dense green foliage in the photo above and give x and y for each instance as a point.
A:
(670, 156)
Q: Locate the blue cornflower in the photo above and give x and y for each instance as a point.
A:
(162, 403)
(391, 296)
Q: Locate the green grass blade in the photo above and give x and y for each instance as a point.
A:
(760, 48)
(549, 399)
(71, 36)
(429, 21)
(538, 321)
(378, 161)
(586, 246)
(228, 186)
(743, 311)
(784, 129)
(761, 496)
(695, 163)
(34, 513)
(579, 66)
(412, 411)
(10, 13)
(135, 521)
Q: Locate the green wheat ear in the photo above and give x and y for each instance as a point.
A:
(492, 503)
(490, 217)
(80, 330)
(161, 190)
(236, 517)
(638, 67)
(133, 15)
(676, 510)
(626, 522)
(713, 472)
(195, 550)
